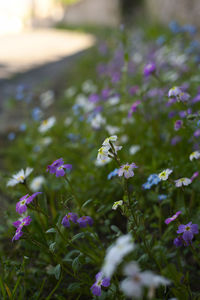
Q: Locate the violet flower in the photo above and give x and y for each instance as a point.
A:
(149, 69)
(188, 231)
(100, 281)
(169, 220)
(21, 206)
(58, 166)
(69, 217)
(19, 225)
(178, 124)
(84, 221)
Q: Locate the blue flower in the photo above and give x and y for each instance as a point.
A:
(162, 197)
(153, 179)
(112, 174)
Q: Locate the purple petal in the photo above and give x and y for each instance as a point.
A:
(60, 173)
(20, 208)
(181, 228)
(65, 222)
(17, 223)
(106, 282)
(30, 199)
(194, 229)
(67, 166)
(96, 290)
(99, 276)
(188, 236)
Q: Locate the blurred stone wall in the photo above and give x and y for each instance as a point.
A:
(99, 12)
(183, 11)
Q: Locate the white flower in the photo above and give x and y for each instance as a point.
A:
(116, 204)
(100, 163)
(165, 174)
(183, 181)
(19, 177)
(37, 183)
(47, 99)
(70, 92)
(111, 139)
(98, 121)
(136, 280)
(46, 141)
(112, 129)
(174, 92)
(89, 87)
(47, 124)
(115, 253)
(195, 154)
(113, 100)
(103, 153)
(124, 139)
(134, 149)
(68, 121)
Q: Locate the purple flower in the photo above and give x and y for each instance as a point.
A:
(58, 166)
(69, 217)
(100, 281)
(188, 232)
(169, 220)
(178, 124)
(127, 170)
(84, 221)
(149, 69)
(178, 242)
(195, 175)
(175, 140)
(21, 206)
(133, 90)
(197, 133)
(133, 108)
(19, 225)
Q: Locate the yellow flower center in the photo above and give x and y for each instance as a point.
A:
(45, 122)
(126, 168)
(20, 178)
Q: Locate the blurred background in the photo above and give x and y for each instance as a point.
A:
(40, 39)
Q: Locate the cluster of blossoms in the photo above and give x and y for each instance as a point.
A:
(108, 149)
(187, 233)
(58, 166)
(82, 221)
(178, 94)
(21, 207)
(19, 225)
(153, 179)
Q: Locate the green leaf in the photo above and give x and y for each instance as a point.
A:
(74, 287)
(76, 264)
(51, 230)
(87, 202)
(78, 236)
(57, 271)
(52, 247)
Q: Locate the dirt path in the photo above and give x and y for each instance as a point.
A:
(36, 60)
